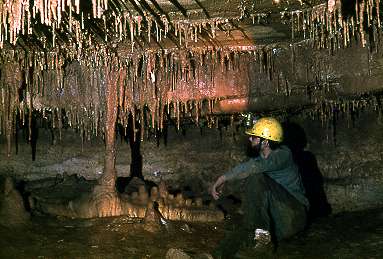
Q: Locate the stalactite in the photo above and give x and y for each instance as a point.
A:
(2, 109)
(361, 22)
(78, 92)
(8, 121)
(325, 25)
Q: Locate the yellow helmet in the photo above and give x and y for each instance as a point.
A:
(267, 128)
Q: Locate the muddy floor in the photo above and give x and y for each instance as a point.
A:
(349, 235)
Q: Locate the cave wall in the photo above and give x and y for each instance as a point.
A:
(348, 156)
(350, 160)
(184, 154)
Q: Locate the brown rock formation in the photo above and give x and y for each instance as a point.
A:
(12, 209)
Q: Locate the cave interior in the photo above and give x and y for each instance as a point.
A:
(110, 109)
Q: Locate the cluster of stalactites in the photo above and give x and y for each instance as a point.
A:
(152, 87)
(17, 18)
(328, 112)
(326, 26)
(11, 81)
(155, 87)
(128, 26)
(16, 15)
(327, 109)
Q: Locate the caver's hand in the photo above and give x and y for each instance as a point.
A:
(215, 190)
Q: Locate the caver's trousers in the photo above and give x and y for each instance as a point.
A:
(269, 206)
(266, 205)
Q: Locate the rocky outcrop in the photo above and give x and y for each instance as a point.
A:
(101, 202)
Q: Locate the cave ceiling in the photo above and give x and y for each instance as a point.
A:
(182, 58)
(148, 24)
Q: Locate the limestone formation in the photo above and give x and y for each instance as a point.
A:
(152, 220)
(12, 209)
(105, 202)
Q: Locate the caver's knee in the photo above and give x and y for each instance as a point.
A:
(256, 192)
(257, 182)
(288, 221)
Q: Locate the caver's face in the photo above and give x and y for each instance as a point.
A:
(255, 143)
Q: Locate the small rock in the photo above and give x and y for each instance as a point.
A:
(175, 253)
(204, 256)
(152, 220)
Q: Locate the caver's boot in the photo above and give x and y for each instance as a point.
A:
(263, 244)
(262, 238)
(259, 246)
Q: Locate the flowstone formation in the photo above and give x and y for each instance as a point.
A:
(50, 199)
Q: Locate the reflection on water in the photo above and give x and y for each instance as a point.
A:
(351, 235)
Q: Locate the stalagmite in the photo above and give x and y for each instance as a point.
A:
(106, 199)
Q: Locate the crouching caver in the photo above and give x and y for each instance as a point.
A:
(274, 203)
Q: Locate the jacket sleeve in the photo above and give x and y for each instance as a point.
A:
(277, 160)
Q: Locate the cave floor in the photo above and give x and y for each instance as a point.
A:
(347, 235)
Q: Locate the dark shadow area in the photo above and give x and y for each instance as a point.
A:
(128, 185)
(295, 138)
(250, 151)
(230, 205)
(231, 200)
(34, 134)
(159, 134)
(20, 187)
(133, 136)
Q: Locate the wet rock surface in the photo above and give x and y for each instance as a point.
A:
(347, 235)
